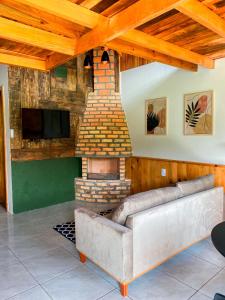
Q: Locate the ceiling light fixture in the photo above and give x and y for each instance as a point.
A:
(88, 64)
(105, 56)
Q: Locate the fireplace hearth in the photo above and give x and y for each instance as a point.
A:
(102, 190)
(103, 168)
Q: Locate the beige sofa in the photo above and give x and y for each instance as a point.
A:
(149, 228)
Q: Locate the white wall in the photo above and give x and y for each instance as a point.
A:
(157, 80)
(4, 85)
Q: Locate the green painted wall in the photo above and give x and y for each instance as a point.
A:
(42, 183)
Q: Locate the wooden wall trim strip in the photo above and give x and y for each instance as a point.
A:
(145, 172)
(180, 161)
(39, 154)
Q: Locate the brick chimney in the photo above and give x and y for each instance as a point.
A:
(103, 140)
(104, 131)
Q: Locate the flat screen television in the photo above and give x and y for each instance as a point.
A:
(45, 124)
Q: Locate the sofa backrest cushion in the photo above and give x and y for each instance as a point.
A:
(197, 185)
(141, 201)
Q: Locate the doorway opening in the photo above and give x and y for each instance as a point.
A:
(3, 194)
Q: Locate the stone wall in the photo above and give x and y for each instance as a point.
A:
(112, 191)
(66, 87)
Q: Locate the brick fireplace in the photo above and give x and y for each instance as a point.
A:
(104, 140)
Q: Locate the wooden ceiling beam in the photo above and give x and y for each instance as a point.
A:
(22, 61)
(29, 35)
(141, 11)
(90, 3)
(120, 24)
(56, 59)
(66, 10)
(142, 39)
(203, 15)
(80, 15)
(28, 16)
(134, 50)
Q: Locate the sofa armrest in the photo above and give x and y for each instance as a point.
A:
(106, 243)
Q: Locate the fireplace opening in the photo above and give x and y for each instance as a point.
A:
(103, 168)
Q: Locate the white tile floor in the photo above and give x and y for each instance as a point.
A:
(36, 263)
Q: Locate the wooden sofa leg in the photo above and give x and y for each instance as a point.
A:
(83, 258)
(124, 289)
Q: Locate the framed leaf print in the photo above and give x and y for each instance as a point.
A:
(156, 116)
(198, 110)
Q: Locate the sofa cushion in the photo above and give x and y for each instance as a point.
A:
(141, 201)
(197, 185)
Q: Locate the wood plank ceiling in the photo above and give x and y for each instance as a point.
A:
(42, 34)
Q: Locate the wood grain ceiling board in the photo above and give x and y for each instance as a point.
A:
(218, 54)
(129, 61)
(100, 5)
(117, 7)
(211, 49)
(172, 26)
(181, 30)
(20, 54)
(107, 8)
(24, 49)
(31, 16)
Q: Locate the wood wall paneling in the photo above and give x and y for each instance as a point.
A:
(145, 173)
(35, 89)
(128, 61)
